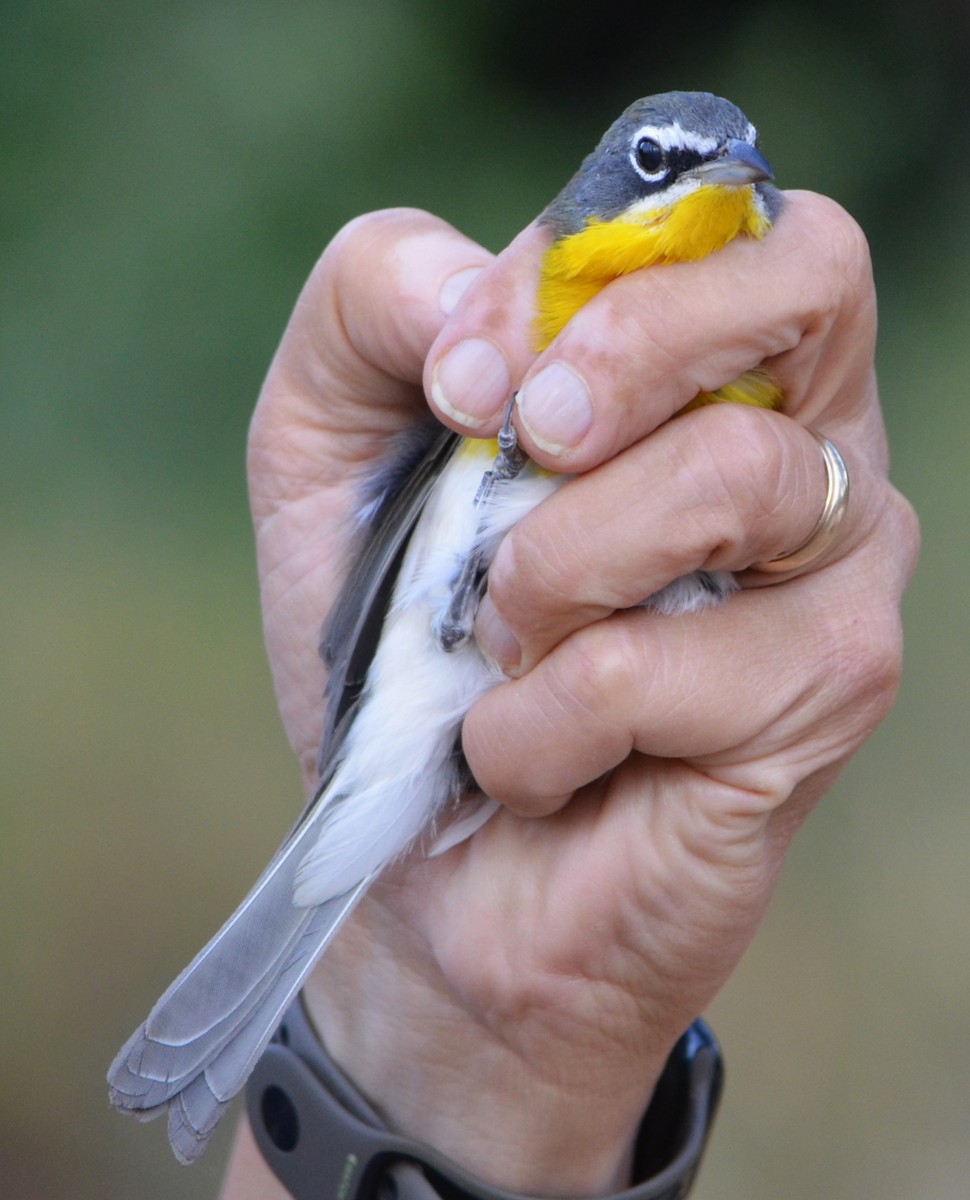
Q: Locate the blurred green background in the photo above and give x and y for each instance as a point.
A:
(168, 175)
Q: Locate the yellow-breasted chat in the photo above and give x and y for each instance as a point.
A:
(675, 178)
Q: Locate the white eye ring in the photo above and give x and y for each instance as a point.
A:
(644, 153)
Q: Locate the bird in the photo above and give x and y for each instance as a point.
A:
(675, 178)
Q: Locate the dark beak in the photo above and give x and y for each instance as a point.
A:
(738, 163)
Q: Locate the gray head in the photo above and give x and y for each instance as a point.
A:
(661, 148)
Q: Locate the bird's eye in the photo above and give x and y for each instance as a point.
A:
(651, 158)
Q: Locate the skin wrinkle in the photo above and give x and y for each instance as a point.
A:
(646, 925)
(556, 565)
(849, 253)
(447, 995)
(305, 480)
(306, 524)
(340, 365)
(796, 490)
(855, 685)
(607, 663)
(853, 314)
(874, 451)
(868, 665)
(735, 831)
(385, 894)
(801, 699)
(516, 995)
(788, 701)
(575, 696)
(696, 524)
(692, 545)
(815, 313)
(297, 410)
(680, 679)
(714, 915)
(535, 723)
(294, 579)
(838, 250)
(659, 393)
(685, 368)
(552, 997)
(742, 457)
(554, 1094)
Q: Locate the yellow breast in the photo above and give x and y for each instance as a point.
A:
(575, 268)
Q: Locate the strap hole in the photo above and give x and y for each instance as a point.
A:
(280, 1119)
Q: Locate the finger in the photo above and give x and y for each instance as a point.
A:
(348, 368)
(488, 344)
(648, 343)
(760, 693)
(716, 489)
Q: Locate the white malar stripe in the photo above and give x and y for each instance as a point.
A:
(643, 211)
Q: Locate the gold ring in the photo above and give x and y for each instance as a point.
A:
(833, 511)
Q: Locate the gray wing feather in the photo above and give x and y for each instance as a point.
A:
(353, 628)
(205, 1035)
(202, 1039)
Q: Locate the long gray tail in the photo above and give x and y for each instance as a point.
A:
(204, 1036)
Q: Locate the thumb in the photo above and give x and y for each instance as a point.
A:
(347, 374)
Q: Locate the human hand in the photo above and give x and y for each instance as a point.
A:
(513, 1002)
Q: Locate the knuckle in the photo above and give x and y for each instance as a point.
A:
(848, 248)
(904, 534)
(601, 675)
(740, 465)
(862, 662)
(840, 251)
(493, 734)
(538, 568)
(861, 653)
(655, 330)
(890, 535)
(744, 442)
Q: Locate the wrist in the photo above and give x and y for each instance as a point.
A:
(527, 1122)
(319, 1137)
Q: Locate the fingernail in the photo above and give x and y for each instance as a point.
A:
(455, 286)
(556, 408)
(495, 640)
(472, 382)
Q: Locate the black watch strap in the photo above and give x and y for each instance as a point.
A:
(323, 1141)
